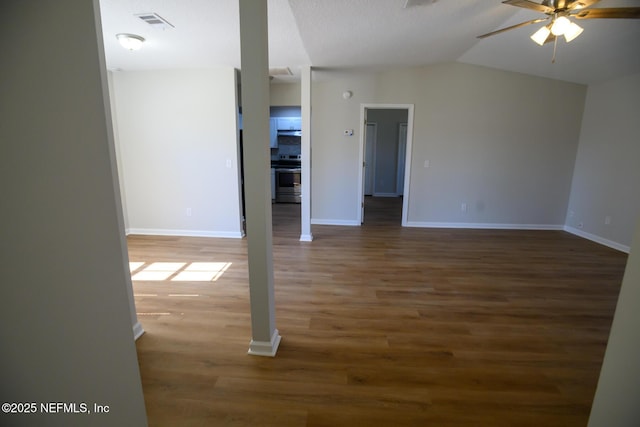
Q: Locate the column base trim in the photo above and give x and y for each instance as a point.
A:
(137, 331)
(265, 348)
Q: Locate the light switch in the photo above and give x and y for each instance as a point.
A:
(229, 163)
(426, 163)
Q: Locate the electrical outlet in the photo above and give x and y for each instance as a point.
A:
(607, 220)
(426, 163)
(571, 214)
(188, 211)
(463, 208)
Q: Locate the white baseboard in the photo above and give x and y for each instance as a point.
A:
(265, 348)
(185, 233)
(493, 226)
(335, 222)
(598, 239)
(137, 331)
(306, 237)
(484, 226)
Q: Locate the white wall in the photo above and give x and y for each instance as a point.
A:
(503, 143)
(334, 157)
(284, 94)
(116, 138)
(137, 327)
(616, 398)
(65, 325)
(606, 180)
(178, 146)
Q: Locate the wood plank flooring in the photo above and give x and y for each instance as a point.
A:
(381, 326)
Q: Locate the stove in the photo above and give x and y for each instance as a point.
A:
(288, 178)
(287, 161)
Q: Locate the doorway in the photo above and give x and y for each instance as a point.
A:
(369, 158)
(385, 153)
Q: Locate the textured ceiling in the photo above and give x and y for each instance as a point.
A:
(372, 34)
(359, 33)
(206, 33)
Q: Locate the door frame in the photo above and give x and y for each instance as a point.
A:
(407, 170)
(402, 163)
(372, 166)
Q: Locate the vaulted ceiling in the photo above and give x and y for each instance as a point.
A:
(374, 34)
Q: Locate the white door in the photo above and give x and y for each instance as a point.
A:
(402, 154)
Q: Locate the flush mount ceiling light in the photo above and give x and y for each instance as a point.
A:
(130, 41)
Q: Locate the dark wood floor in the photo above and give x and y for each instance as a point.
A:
(381, 326)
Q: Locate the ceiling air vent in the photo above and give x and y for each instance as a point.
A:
(280, 71)
(155, 20)
(412, 3)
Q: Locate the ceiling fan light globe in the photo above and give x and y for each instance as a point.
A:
(560, 26)
(572, 32)
(541, 35)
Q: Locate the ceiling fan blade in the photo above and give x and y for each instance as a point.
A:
(582, 4)
(530, 5)
(522, 24)
(608, 12)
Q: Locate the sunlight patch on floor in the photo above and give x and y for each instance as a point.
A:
(178, 271)
(133, 266)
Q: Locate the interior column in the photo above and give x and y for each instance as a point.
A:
(305, 208)
(255, 112)
(616, 399)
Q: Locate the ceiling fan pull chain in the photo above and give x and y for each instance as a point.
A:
(555, 45)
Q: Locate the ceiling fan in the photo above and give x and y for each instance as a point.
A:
(559, 12)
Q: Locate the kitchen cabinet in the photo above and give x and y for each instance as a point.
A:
(289, 123)
(273, 133)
